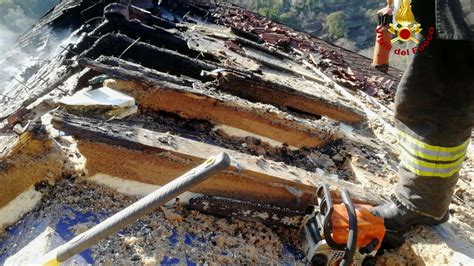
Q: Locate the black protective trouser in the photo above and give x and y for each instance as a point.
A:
(435, 116)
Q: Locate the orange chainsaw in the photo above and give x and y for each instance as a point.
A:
(342, 234)
(335, 234)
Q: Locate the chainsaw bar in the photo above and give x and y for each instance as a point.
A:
(248, 211)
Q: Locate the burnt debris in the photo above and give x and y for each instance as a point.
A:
(242, 82)
(213, 76)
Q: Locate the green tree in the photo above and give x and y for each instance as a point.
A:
(289, 18)
(270, 8)
(335, 25)
(315, 5)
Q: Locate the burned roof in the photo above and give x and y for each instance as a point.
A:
(195, 31)
(223, 69)
(207, 73)
(100, 91)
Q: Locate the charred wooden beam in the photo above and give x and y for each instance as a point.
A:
(197, 103)
(116, 10)
(102, 46)
(257, 88)
(147, 55)
(262, 48)
(86, 41)
(204, 103)
(277, 64)
(26, 160)
(103, 28)
(146, 72)
(247, 35)
(155, 35)
(156, 158)
(252, 44)
(147, 18)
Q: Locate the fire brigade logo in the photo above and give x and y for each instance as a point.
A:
(406, 26)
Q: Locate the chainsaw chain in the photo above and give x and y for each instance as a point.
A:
(265, 213)
(251, 205)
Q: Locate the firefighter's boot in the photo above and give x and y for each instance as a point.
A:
(399, 219)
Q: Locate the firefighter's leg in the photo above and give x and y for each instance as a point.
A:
(434, 114)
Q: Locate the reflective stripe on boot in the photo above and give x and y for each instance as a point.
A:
(428, 160)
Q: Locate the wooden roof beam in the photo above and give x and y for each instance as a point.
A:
(197, 102)
(264, 90)
(156, 158)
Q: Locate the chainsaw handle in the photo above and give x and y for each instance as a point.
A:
(352, 234)
(326, 208)
(324, 199)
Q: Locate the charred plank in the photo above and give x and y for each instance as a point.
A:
(117, 150)
(257, 88)
(255, 45)
(147, 55)
(155, 35)
(247, 35)
(117, 62)
(148, 18)
(197, 102)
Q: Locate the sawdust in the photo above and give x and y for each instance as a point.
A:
(164, 235)
(81, 228)
(171, 216)
(422, 247)
(206, 240)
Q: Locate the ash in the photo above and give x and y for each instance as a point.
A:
(168, 236)
(329, 158)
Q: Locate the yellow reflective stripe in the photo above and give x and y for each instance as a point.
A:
(430, 152)
(415, 153)
(432, 147)
(406, 155)
(430, 174)
(423, 155)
